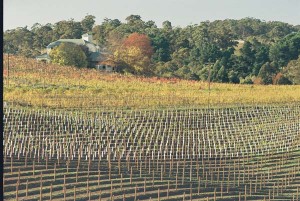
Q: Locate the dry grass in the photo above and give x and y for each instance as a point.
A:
(38, 84)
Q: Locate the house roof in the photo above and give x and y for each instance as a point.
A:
(95, 56)
(58, 42)
(43, 56)
(109, 62)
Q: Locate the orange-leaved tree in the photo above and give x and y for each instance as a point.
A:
(136, 52)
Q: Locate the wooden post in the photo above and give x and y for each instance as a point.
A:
(215, 194)
(227, 190)
(250, 187)
(191, 192)
(191, 165)
(168, 189)
(182, 181)
(199, 185)
(119, 162)
(46, 161)
(51, 192)
(153, 177)
(221, 189)
(121, 181)
(25, 159)
(135, 189)
(41, 186)
(176, 180)
(68, 165)
(64, 189)
(19, 173)
(26, 188)
(209, 73)
(131, 175)
(41, 191)
(158, 198)
(54, 171)
(17, 191)
(33, 168)
(111, 190)
(245, 192)
(99, 178)
(74, 193)
(11, 164)
(273, 191)
(144, 186)
(87, 186)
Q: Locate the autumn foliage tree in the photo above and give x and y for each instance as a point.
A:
(136, 52)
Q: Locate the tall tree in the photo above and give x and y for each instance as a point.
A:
(286, 49)
(87, 23)
(267, 73)
(167, 26)
(42, 35)
(292, 71)
(67, 29)
(101, 32)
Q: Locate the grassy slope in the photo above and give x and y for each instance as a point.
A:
(37, 84)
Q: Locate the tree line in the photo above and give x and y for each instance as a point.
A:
(245, 51)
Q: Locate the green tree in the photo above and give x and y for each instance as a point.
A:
(167, 26)
(67, 29)
(132, 19)
(102, 32)
(87, 23)
(135, 24)
(267, 72)
(222, 75)
(261, 56)
(69, 54)
(42, 35)
(161, 47)
(292, 71)
(20, 41)
(233, 77)
(286, 49)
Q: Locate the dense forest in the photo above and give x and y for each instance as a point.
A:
(237, 51)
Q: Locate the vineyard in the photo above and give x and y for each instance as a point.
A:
(76, 134)
(200, 154)
(34, 84)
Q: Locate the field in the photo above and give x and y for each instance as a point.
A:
(29, 83)
(146, 138)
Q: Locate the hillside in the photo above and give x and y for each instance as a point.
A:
(141, 47)
(37, 84)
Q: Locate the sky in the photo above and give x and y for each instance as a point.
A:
(21, 13)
